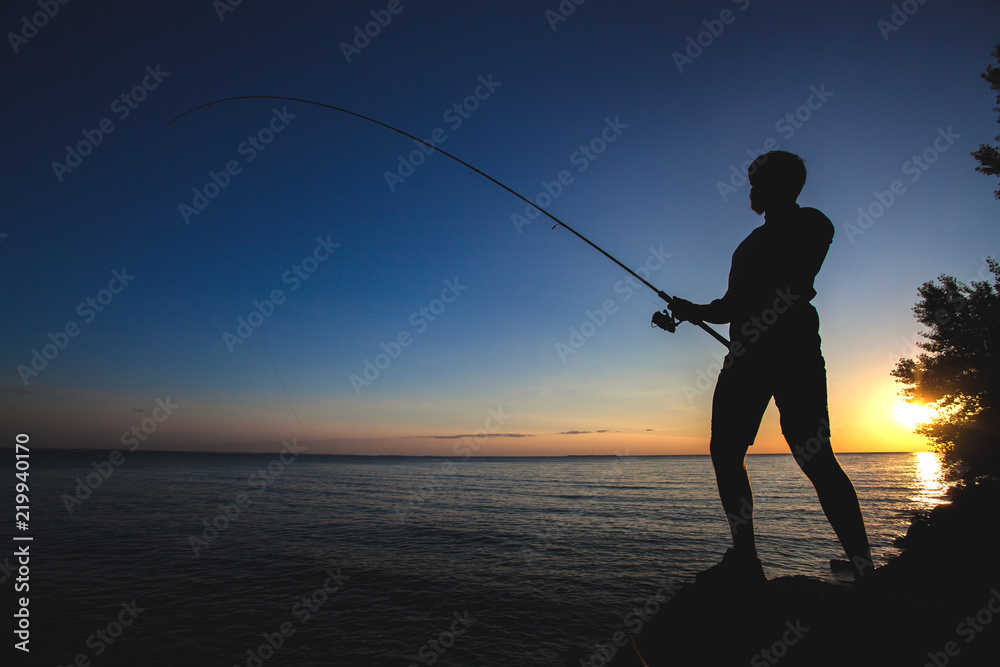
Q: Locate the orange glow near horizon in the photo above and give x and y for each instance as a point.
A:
(866, 411)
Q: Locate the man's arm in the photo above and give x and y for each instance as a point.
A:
(717, 312)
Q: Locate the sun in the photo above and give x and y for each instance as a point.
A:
(912, 415)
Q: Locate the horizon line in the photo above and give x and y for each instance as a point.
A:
(417, 456)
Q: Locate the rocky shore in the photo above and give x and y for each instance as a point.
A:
(936, 604)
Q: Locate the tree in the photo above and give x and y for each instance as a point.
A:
(959, 372)
(989, 156)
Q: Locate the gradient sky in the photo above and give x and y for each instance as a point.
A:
(878, 99)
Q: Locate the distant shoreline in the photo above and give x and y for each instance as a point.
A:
(82, 450)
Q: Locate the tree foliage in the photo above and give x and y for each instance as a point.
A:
(959, 371)
(989, 156)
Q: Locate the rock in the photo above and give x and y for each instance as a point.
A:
(938, 603)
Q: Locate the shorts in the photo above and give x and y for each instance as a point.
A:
(794, 375)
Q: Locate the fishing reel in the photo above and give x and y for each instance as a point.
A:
(664, 320)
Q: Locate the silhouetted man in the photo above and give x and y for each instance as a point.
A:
(775, 352)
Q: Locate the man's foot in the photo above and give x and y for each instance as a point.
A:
(735, 569)
(840, 565)
(860, 566)
(863, 570)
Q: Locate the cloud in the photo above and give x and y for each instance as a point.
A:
(603, 430)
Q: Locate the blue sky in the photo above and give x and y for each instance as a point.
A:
(824, 80)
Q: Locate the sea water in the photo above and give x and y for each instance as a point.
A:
(235, 559)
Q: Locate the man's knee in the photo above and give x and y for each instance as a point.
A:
(726, 455)
(816, 459)
(808, 439)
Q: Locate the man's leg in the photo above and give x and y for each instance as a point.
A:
(840, 503)
(741, 397)
(736, 495)
(802, 402)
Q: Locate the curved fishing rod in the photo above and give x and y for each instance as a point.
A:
(663, 320)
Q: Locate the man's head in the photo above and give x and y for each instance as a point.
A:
(776, 179)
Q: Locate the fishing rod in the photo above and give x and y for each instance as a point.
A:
(663, 319)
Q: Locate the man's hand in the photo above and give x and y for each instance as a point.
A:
(684, 310)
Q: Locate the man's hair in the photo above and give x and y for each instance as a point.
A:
(780, 172)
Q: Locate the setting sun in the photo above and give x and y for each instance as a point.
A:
(912, 415)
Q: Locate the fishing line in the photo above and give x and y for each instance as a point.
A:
(559, 223)
(600, 260)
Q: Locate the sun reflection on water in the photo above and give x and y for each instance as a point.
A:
(931, 484)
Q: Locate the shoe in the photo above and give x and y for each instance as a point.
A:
(860, 567)
(840, 565)
(734, 570)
